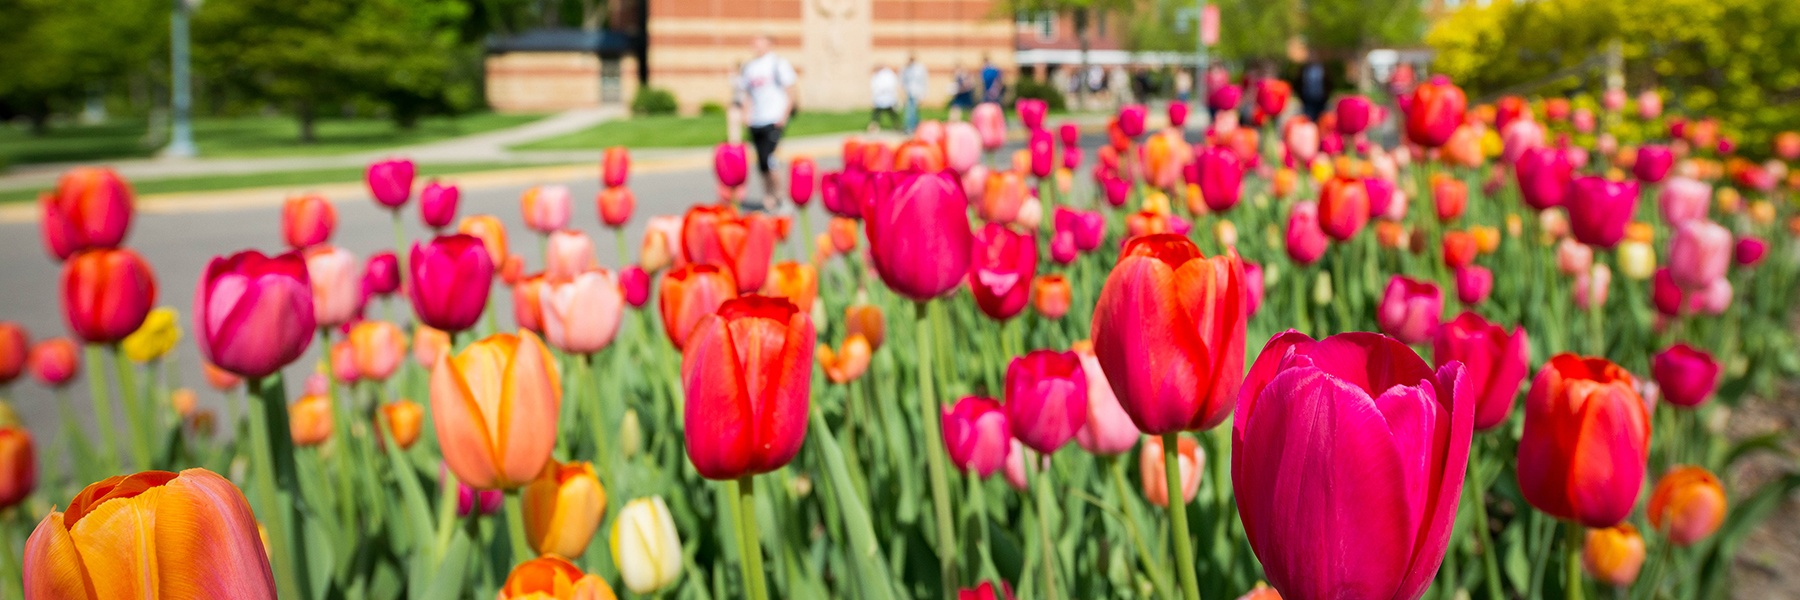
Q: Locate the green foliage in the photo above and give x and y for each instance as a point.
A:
(1032, 88)
(1340, 28)
(653, 101)
(712, 107)
(1737, 60)
(53, 52)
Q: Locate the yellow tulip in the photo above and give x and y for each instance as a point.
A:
(645, 546)
(155, 338)
(563, 507)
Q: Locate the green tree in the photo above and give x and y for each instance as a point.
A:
(1249, 30)
(312, 55)
(57, 51)
(1345, 29)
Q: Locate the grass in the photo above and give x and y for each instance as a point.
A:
(275, 179)
(228, 137)
(669, 131)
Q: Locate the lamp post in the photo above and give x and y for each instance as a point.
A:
(181, 100)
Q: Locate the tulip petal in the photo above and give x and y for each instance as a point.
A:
(531, 399)
(117, 541)
(207, 544)
(53, 566)
(461, 429)
(720, 426)
(1606, 467)
(1450, 449)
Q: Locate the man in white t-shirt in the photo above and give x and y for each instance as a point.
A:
(884, 93)
(766, 84)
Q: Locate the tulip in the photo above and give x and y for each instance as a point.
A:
(1652, 163)
(842, 234)
(1221, 178)
(1031, 112)
(730, 164)
(1178, 114)
(437, 204)
(1685, 374)
(1131, 120)
(615, 166)
(848, 364)
(90, 208)
(1046, 399)
(1592, 286)
(1436, 112)
(106, 294)
(743, 244)
(1583, 120)
(1354, 113)
(865, 320)
(1585, 443)
(254, 314)
(568, 253)
(919, 237)
(1613, 555)
(803, 179)
(528, 307)
(1687, 505)
(1051, 295)
(1450, 196)
(546, 208)
(797, 282)
(690, 293)
(1519, 137)
(553, 577)
(469, 500)
(977, 435)
(615, 205)
(336, 287)
(492, 234)
(1410, 309)
(1168, 331)
(990, 124)
(1600, 209)
(1473, 284)
(307, 220)
(1042, 149)
(1272, 96)
(403, 419)
(1088, 228)
(1001, 269)
(309, 420)
(1573, 257)
(1348, 457)
(1002, 197)
(495, 406)
(381, 275)
(1494, 363)
(1343, 208)
(379, 346)
(986, 591)
(645, 546)
(634, 284)
(451, 278)
(1544, 176)
(390, 182)
(563, 507)
(18, 466)
(962, 146)
(149, 535)
(1459, 249)
(1190, 461)
(15, 347)
(154, 339)
(1699, 254)
(54, 362)
(746, 410)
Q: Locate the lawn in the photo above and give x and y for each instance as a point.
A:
(239, 137)
(668, 131)
(274, 179)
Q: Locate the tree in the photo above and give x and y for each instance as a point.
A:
(57, 51)
(309, 55)
(1345, 29)
(1248, 29)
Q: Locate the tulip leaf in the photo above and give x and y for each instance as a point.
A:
(865, 548)
(447, 584)
(413, 494)
(1769, 442)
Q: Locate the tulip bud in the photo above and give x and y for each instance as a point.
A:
(403, 419)
(1191, 461)
(437, 204)
(615, 205)
(495, 408)
(307, 220)
(1051, 295)
(1585, 443)
(54, 362)
(1410, 309)
(1473, 284)
(645, 546)
(274, 296)
(90, 208)
(390, 182)
(18, 465)
(977, 436)
(309, 420)
(1613, 555)
(1686, 375)
(563, 507)
(1749, 251)
(1700, 254)
(552, 577)
(729, 435)
(451, 278)
(15, 347)
(1687, 505)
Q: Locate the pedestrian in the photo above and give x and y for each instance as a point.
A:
(993, 85)
(766, 86)
(1313, 89)
(1184, 85)
(913, 78)
(734, 114)
(962, 97)
(884, 91)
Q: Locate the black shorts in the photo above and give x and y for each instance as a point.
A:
(764, 138)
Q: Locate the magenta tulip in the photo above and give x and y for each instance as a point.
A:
(1224, 97)
(1031, 112)
(635, 283)
(1749, 251)
(1042, 149)
(1700, 254)
(253, 314)
(1001, 266)
(730, 165)
(1221, 177)
(1354, 114)
(1653, 163)
(451, 277)
(1473, 284)
(1131, 120)
(1046, 399)
(1544, 176)
(381, 275)
(1117, 190)
(1178, 114)
(1685, 374)
(437, 204)
(919, 238)
(1382, 196)
(390, 182)
(1254, 287)
(1347, 458)
(1086, 228)
(977, 436)
(1305, 240)
(1600, 209)
(803, 179)
(1495, 363)
(1410, 309)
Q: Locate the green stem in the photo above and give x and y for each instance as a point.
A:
(978, 497)
(934, 453)
(103, 414)
(15, 572)
(273, 450)
(756, 588)
(1184, 551)
(400, 246)
(515, 523)
(1572, 567)
(1158, 578)
(1043, 519)
(624, 250)
(1490, 565)
(806, 232)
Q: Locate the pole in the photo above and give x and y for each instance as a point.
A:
(181, 101)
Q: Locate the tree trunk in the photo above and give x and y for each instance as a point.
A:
(305, 113)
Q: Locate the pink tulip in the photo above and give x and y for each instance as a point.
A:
(1699, 254)
(1117, 190)
(1686, 375)
(1519, 137)
(254, 314)
(1031, 112)
(1221, 178)
(336, 285)
(1592, 287)
(390, 182)
(1473, 284)
(1001, 268)
(635, 284)
(730, 165)
(1042, 149)
(1495, 361)
(1131, 120)
(1749, 251)
(1046, 399)
(1715, 299)
(962, 146)
(1544, 175)
(1382, 199)
(1573, 257)
(1649, 105)
(1302, 139)
(1178, 114)
(1583, 120)
(1305, 240)
(1653, 163)
(437, 204)
(1015, 467)
(1087, 229)
(1108, 430)
(919, 238)
(381, 275)
(977, 436)
(1410, 309)
(1684, 199)
(1224, 97)
(803, 179)
(1254, 288)
(990, 122)
(451, 278)
(1600, 209)
(568, 253)
(581, 314)
(1347, 458)
(1152, 470)
(546, 208)
(1354, 114)
(1062, 247)
(469, 499)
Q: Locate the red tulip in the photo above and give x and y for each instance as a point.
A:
(336, 285)
(730, 164)
(106, 294)
(1460, 248)
(803, 178)
(1343, 208)
(1272, 96)
(390, 182)
(1000, 270)
(254, 314)
(1699, 254)
(15, 346)
(747, 373)
(986, 591)
(1168, 330)
(615, 205)
(744, 244)
(615, 166)
(528, 306)
(451, 278)
(54, 362)
(1653, 163)
(307, 220)
(1221, 178)
(18, 466)
(437, 204)
(1495, 363)
(1305, 239)
(1686, 375)
(1585, 443)
(1451, 197)
(1436, 111)
(977, 436)
(690, 293)
(1544, 175)
(1410, 309)
(1600, 209)
(1354, 114)
(90, 208)
(919, 238)
(1046, 399)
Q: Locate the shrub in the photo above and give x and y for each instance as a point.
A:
(653, 101)
(712, 107)
(1032, 88)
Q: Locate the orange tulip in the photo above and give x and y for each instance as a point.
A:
(690, 293)
(220, 379)
(1487, 239)
(495, 407)
(848, 364)
(378, 348)
(1687, 505)
(1005, 195)
(309, 420)
(843, 233)
(797, 282)
(528, 307)
(184, 402)
(491, 233)
(1050, 295)
(18, 466)
(866, 320)
(563, 507)
(1156, 484)
(553, 578)
(1613, 555)
(428, 345)
(155, 534)
(403, 419)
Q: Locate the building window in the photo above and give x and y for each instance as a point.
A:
(1040, 22)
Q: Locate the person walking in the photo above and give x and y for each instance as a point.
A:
(913, 78)
(884, 92)
(993, 85)
(1313, 89)
(962, 97)
(766, 86)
